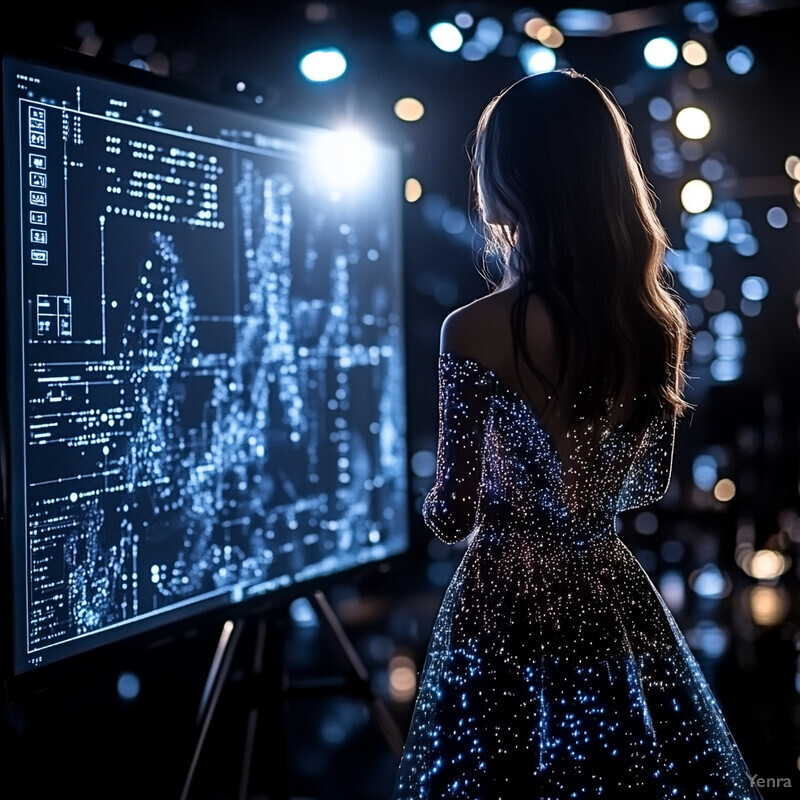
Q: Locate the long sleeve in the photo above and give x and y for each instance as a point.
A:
(650, 472)
(451, 507)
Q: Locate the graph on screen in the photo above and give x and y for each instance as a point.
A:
(205, 345)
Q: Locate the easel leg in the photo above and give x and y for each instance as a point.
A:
(217, 675)
(268, 689)
(380, 714)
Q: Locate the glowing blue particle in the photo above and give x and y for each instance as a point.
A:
(536, 58)
(711, 225)
(474, 50)
(729, 347)
(755, 287)
(740, 60)
(725, 370)
(405, 24)
(302, 613)
(748, 246)
(712, 170)
(489, 32)
(699, 12)
(698, 280)
(660, 109)
(660, 53)
(583, 22)
(454, 221)
(702, 345)
(777, 217)
(704, 472)
(128, 686)
(726, 324)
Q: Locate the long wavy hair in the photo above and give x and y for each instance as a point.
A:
(574, 220)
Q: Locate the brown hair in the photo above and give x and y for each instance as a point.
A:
(574, 221)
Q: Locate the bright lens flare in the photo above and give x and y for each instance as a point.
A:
(343, 158)
(696, 196)
(693, 123)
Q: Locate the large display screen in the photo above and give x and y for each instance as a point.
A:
(204, 362)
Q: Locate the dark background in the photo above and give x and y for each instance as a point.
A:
(85, 738)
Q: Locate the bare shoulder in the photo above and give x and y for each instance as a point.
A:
(468, 330)
(482, 331)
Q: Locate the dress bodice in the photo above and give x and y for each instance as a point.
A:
(498, 468)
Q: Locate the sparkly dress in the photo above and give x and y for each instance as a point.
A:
(555, 670)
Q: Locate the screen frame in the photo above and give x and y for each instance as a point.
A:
(103, 655)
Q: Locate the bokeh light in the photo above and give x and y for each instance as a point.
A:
(694, 53)
(693, 123)
(583, 21)
(550, 36)
(777, 217)
(660, 109)
(725, 490)
(764, 564)
(755, 288)
(536, 58)
(326, 64)
(660, 53)
(489, 33)
(413, 190)
(446, 36)
(533, 26)
(402, 679)
(409, 109)
(405, 24)
(768, 605)
(696, 196)
(704, 472)
(128, 686)
(740, 60)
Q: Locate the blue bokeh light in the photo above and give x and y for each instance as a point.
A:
(740, 60)
(536, 58)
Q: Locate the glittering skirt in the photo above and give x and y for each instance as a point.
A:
(559, 672)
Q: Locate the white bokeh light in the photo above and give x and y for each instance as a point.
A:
(323, 65)
(446, 36)
(660, 53)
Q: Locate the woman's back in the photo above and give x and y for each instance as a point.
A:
(483, 332)
(555, 669)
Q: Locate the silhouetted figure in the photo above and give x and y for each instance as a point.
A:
(555, 669)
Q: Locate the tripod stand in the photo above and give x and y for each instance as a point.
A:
(269, 692)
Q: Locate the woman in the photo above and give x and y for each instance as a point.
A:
(555, 670)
